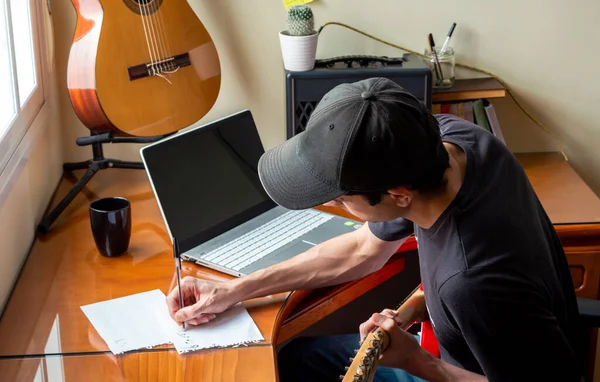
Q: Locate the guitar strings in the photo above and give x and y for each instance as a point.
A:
(171, 65)
(146, 34)
(153, 42)
(154, 56)
(162, 25)
(154, 6)
(164, 77)
(164, 65)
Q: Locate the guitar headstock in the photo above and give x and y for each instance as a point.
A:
(364, 364)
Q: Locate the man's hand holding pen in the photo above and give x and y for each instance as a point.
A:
(202, 301)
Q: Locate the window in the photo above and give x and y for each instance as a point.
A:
(21, 91)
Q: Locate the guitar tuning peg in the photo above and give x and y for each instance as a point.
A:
(341, 377)
(351, 359)
(346, 368)
(355, 351)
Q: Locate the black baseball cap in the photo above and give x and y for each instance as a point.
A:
(364, 136)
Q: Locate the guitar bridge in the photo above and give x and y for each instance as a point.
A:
(165, 65)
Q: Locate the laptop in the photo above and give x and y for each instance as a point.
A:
(206, 183)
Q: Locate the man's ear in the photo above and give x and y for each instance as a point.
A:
(401, 195)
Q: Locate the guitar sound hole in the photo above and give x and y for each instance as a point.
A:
(143, 7)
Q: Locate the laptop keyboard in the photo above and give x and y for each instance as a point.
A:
(265, 239)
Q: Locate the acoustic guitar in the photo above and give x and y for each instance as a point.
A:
(141, 67)
(365, 362)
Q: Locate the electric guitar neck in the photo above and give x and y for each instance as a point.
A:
(366, 360)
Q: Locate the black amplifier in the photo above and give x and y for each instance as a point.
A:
(305, 89)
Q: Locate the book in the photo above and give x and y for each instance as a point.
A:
(493, 120)
(468, 111)
(454, 109)
(480, 115)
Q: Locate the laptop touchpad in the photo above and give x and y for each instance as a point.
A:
(278, 256)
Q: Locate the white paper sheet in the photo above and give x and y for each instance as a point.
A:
(129, 323)
(142, 320)
(230, 328)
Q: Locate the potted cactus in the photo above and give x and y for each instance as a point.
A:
(299, 40)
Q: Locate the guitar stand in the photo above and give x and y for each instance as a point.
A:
(99, 162)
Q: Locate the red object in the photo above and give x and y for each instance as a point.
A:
(428, 340)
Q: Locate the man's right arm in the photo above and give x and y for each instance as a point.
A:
(341, 259)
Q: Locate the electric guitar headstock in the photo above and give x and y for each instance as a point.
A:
(365, 362)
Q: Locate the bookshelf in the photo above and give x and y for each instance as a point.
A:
(470, 89)
(469, 99)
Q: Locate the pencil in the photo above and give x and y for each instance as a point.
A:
(436, 65)
(178, 271)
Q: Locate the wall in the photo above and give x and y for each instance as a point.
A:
(23, 207)
(538, 47)
(34, 172)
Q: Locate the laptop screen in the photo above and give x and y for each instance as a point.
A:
(206, 180)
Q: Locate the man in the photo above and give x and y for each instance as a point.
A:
(497, 287)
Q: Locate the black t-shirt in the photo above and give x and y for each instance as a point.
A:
(497, 285)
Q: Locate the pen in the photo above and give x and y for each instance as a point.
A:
(436, 65)
(178, 270)
(448, 38)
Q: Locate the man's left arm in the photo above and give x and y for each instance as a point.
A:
(510, 327)
(405, 353)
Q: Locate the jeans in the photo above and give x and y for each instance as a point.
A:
(322, 359)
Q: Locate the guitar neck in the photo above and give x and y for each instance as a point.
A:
(413, 306)
(364, 364)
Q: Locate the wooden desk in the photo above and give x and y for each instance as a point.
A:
(240, 364)
(565, 197)
(64, 271)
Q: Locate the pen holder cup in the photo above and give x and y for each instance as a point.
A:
(442, 67)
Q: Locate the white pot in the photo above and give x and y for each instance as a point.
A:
(298, 51)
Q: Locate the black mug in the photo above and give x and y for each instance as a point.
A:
(110, 219)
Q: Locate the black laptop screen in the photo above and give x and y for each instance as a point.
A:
(206, 180)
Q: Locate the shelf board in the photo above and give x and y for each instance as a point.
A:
(468, 89)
